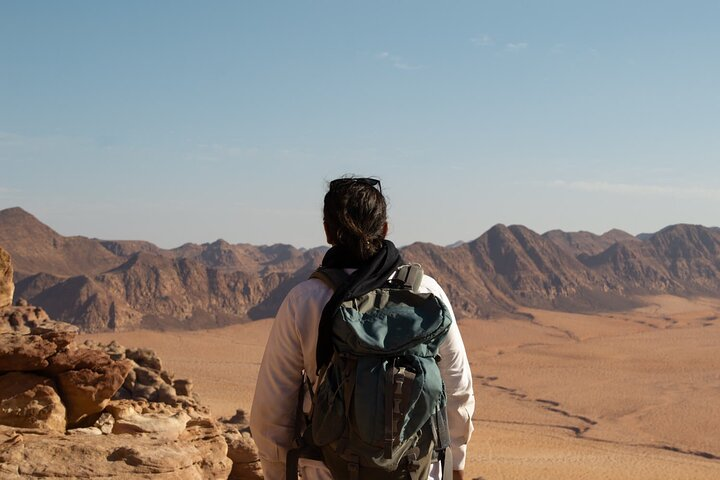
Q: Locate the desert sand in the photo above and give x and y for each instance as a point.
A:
(632, 395)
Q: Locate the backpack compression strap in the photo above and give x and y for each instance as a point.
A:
(441, 437)
(410, 275)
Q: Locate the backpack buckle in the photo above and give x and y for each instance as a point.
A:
(412, 459)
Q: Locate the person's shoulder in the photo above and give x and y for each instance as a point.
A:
(431, 285)
(309, 289)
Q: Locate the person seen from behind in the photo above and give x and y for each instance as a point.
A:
(364, 375)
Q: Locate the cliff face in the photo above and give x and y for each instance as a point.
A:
(158, 291)
(7, 288)
(119, 285)
(691, 254)
(100, 285)
(510, 266)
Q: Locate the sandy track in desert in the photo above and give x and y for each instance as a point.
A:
(632, 395)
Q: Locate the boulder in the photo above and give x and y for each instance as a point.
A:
(29, 320)
(28, 338)
(73, 358)
(105, 423)
(183, 387)
(7, 287)
(38, 323)
(30, 401)
(145, 358)
(115, 350)
(239, 418)
(150, 385)
(207, 437)
(21, 353)
(86, 392)
(244, 455)
(131, 417)
(201, 455)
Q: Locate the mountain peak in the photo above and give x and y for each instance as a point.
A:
(18, 215)
(38, 248)
(13, 211)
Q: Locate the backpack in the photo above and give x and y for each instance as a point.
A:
(379, 406)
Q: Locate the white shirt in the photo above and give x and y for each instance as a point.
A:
(291, 349)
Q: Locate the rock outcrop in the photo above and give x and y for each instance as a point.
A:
(30, 401)
(104, 411)
(7, 287)
(241, 448)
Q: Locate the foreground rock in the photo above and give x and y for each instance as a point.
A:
(88, 391)
(30, 401)
(99, 411)
(243, 453)
(198, 453)
(7, 287)
(103, 411)
(28, 338)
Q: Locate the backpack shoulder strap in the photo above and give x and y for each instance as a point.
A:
(332, 277)
(410, 275)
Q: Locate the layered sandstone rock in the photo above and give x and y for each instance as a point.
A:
(30, 401)
(89, 390)
(197, 455)
(7, 287)
(103, 411)
(243, 453)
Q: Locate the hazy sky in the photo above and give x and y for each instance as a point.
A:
(180, 121)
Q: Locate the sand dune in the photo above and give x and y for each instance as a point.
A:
(632, 395)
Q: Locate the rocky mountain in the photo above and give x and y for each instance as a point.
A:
(35, 248)
(576, 243)
(510, 266)
(120, 285)
(103, 284)
(679, 259)
(633, 265)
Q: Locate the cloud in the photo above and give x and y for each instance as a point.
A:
(396, 61)
(515, 47)
(639, 189)
(483, 40)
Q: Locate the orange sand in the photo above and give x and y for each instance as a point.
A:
(633, 395)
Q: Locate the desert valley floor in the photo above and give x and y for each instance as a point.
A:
(632, 395)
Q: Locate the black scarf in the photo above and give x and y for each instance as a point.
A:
(369, 275)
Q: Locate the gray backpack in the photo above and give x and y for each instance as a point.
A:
(378, 407)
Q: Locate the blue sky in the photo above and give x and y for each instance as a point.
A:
(192, 121)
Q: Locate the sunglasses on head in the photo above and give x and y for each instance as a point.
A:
(343, 182)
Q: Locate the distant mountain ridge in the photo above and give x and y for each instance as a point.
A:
(106, 284)
(100, 285)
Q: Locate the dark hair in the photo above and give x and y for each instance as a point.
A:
(355, 213)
